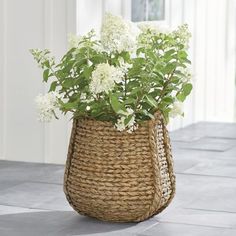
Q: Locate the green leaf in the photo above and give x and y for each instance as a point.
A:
(68, 83)
(116, 105)
(53, 86)
(130, 100)
(152, 102)
(128, 119)
(169, 68)
(182, 54)
(46, 75)
(146, 113)
(46, 64)
(168, 100)
(69, 105)
(151, 55)
(87, 72)
(187, 88)
(181, 97)
(125, 55)
(170, 52)
(175, 79)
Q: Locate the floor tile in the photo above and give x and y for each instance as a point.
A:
(206, 192)
(199, 217)
(184, 163)
(224, 168)
(185, 136)
(35, 195)
(188, 189)
(202, 129)
(171, 229)
(231, 153)
(200, 155)
(55, 223)
(5, 184)
(228, 132)
(208, 143)
(7, 210)
(22, 171)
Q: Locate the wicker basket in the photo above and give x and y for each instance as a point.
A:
(117, 176)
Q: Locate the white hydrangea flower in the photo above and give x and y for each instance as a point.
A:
(76, 41)
(131, 126)
(73, 40)
(46, 105)
(177, 109)
(118, 35)
(120, 125)
(153, 27)
(42, 56)
(124, 66)
(130, 111)
(187, 74)
(104, 78)
(183, 34)
(84, 98)
(148, 30)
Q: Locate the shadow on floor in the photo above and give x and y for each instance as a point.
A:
(58, 223)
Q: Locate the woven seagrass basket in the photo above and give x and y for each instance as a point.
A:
(117, 176)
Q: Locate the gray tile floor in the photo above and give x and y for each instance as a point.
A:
(32, 202)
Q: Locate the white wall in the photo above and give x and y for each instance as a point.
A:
(212, 50)
(45, 23)
(29, 24)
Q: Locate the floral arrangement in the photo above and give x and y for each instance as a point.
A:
(124, 76)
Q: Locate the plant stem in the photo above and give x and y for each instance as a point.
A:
(125, 86)
(165, 85)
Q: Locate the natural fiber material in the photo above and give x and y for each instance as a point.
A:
(117, 176)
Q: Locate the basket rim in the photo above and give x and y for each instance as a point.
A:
(158, 115)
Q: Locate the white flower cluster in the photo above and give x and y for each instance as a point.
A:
(104, 78)
(148, 30)
(130, 126)
(46, 105)
(153, 27)
(42, 56)
(118, 35)
(183, 34)
(76, 41)
(177, 109)
(187, 74)
(124, 66)
(84, 98)
(73, 40)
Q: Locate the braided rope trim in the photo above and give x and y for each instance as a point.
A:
(159, 203)
(68, 163)
(170, 167)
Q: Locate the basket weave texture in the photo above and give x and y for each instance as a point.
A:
(117, 176)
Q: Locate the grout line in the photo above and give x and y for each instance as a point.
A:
(42, 164)
(210, 210)
(12, 205)
(31, 208)
(208, 150)
(215, 176)
(220, 137)
(150, 226)
(42, 182)
(207, 226)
